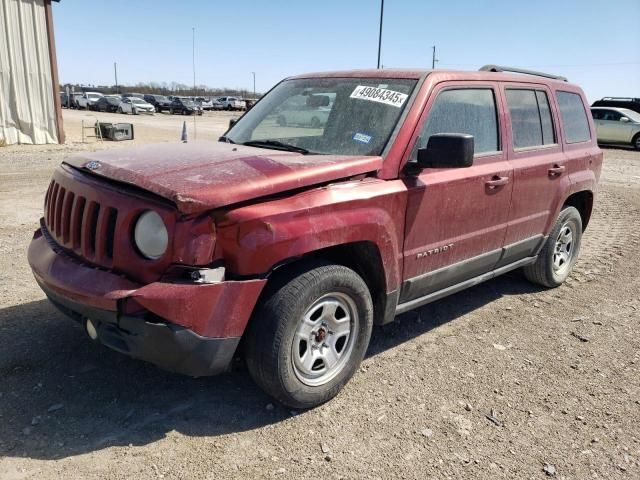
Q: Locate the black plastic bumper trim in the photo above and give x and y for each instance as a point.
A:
(169, 346)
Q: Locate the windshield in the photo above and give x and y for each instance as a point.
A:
(137, 100)
(341, 116)
(94, 95)
(631, 114)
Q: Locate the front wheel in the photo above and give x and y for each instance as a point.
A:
(560, 251)
(309, 336)
(636, 142)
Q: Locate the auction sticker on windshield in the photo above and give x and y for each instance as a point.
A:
(380, 95)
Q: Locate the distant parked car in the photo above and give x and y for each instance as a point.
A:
(216, 105)
(619, 126)
(184, 106)
(87, 99)
(305, 111)
(232, 103)
(160, 102)
(619, 102)
(108, 103)
(205, 103)
(66, 100)
(249, 102)
(135, 105)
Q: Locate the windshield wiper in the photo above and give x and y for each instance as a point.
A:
(276, 145)
(225, 139)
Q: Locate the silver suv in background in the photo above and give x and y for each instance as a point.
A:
(232, 103)
(619, 126)
(88, 99)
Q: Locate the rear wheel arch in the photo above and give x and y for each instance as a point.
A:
(583, 202)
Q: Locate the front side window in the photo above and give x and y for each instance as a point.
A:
(467, 110)
(611, 115)
(531, 122)
(574, 117)
(334, 116)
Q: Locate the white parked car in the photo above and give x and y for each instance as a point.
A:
(205, 103)
(135, 105)
(88, 99)
(232, 103)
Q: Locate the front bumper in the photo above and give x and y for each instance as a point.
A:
(188, 328)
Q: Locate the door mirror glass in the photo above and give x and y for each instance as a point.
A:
(447, 150)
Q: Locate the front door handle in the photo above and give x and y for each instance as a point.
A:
(556, 170)
(496, 181)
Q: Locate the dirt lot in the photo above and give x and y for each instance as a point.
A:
(495, 382)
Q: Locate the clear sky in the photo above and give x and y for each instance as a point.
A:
(595, 43)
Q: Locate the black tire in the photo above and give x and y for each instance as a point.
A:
(281, 120)
(120, 110)
(171, 111)
(315, 122)
(271, 336)
(546, 271)
(635, 143)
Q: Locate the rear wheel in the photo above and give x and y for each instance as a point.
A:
(309, 336)
(560, 251)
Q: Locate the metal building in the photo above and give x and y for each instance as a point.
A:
(30, 111)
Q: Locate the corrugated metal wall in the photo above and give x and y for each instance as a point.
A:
(27, 111)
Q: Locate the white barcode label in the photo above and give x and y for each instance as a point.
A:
(380, 95)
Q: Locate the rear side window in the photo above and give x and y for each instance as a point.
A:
(574, 117)
(531, 122)
(469, 110)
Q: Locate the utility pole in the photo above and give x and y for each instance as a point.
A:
(193, 55)
(380, 32)
(433, 59)
(115, 73)
(254, 84)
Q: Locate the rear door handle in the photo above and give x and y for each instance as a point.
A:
(556, 170)
(496, 182)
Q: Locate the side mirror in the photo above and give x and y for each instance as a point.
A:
(624, 119)
(447, 150)
(232, 122)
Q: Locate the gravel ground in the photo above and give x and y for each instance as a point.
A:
(504, 380)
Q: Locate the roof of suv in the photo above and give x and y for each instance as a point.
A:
(445, 74)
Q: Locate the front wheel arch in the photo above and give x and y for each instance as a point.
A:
(362, 257)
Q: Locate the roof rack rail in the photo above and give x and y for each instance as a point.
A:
(498, 68)
(626, 99)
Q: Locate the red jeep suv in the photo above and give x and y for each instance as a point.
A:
(291, 240)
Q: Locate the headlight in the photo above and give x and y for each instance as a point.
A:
(150, 235)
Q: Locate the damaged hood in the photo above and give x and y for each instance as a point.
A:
(204, 175)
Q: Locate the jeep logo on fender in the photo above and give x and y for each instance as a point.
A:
(435, 251)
